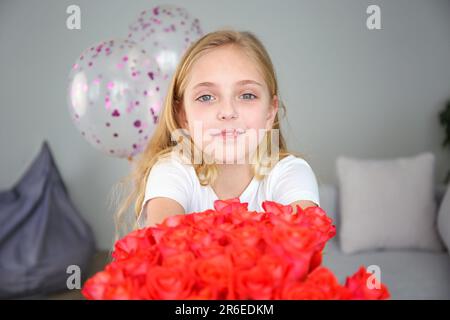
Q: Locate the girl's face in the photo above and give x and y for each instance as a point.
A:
(227, 105)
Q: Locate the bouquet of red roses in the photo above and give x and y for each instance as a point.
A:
(229, 253)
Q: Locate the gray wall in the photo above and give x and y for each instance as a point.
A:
(348, 90)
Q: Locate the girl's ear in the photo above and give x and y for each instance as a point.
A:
(272, 112)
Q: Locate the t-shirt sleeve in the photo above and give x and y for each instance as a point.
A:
(168, 179)
(294, 181)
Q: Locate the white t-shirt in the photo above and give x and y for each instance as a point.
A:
(291, 179)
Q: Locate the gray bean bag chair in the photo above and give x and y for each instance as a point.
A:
(41, 233)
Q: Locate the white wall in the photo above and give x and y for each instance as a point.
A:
(348, 90)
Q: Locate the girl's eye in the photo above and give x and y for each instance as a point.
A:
(203, 100)
(209, 98)
(249, 96)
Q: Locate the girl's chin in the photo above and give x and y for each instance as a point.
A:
(229, 150)
(230, 156)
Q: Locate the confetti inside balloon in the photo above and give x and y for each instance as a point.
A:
(165, 32)
(114, 96)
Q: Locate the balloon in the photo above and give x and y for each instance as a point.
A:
(114, 97)
(165, 32)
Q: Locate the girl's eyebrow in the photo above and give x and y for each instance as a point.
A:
(211, 84)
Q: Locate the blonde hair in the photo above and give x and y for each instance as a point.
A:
(161, 144)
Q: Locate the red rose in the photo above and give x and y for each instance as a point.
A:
(215, 272)
(174, 240)
(320, 284)
(138, 240)
(275, 267)
(316, 219)
(254, 284)
(247, 216)
(200, 238)
(292, 239)
(94, 288)
(276, 208)
(316, 261)
(178, 259)
(203, 220)
(244, 257)
(326, 281)
(110, 284)
(209, 251)
(204, 293)
(231, 206)
(301, 291)
(358, 285)
(249, 234)
(175, 221)
(169, 283)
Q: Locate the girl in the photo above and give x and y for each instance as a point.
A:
(222, 104)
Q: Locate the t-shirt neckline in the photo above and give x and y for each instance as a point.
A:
(244, 193)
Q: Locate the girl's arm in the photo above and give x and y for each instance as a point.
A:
(159, 208)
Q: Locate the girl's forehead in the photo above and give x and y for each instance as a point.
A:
(224, 66)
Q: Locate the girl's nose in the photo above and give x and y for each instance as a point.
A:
(227, 112)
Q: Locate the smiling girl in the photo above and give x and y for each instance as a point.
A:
(224, 101)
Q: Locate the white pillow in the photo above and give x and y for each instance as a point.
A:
(387, 203)
(444, 219)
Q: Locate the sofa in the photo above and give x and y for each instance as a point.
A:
(409, 274)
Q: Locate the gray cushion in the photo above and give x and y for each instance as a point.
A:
(329, 201)
(387, 203)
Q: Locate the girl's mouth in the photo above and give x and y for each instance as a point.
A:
(228, 133)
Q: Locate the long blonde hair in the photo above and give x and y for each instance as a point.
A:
(161, 143)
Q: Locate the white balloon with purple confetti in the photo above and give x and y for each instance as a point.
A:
(114, 96)
(165, 32)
